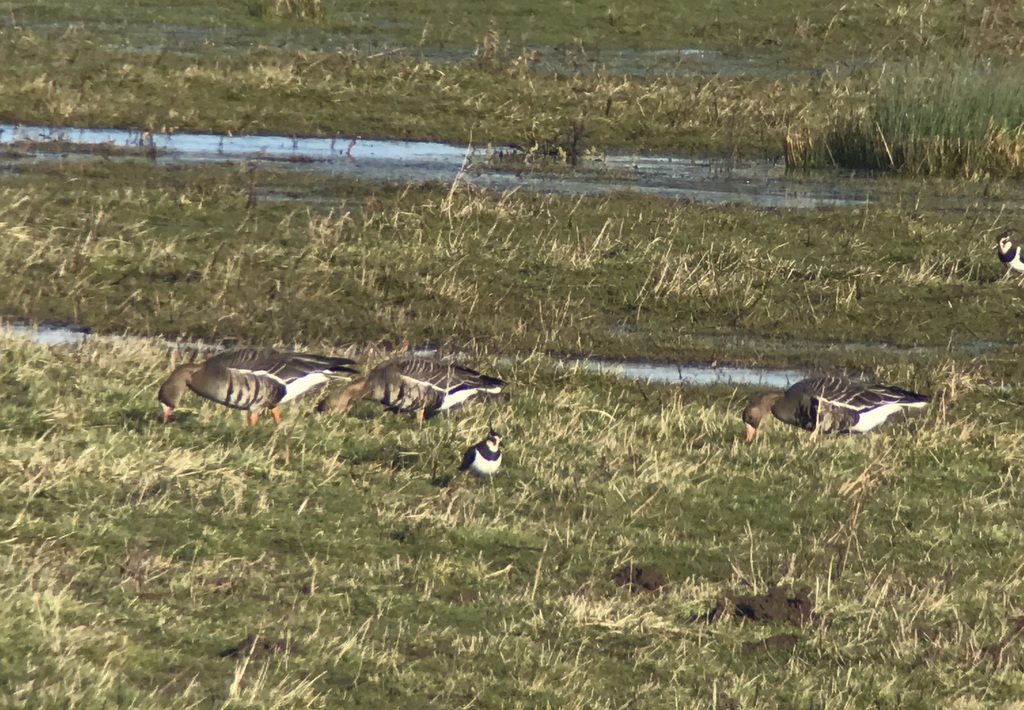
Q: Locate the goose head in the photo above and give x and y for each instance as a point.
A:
(757, 410)
(174, 388)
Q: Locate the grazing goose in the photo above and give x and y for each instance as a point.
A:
(1009, 252)
(831, 405)
(415, 384)
(252, 379)
(484, 458)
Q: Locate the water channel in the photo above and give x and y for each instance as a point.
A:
(706, 180)
(658, 372)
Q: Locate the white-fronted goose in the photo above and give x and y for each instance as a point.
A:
(483, 459)
(831, 405)
(252, 379)
(415, 384)
(1009, 252)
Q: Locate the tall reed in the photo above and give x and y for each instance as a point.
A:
(929, 119)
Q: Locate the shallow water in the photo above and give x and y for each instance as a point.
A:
(759, 344)
(45, 333)
(692, 373)
(758, 182)
(660, 372)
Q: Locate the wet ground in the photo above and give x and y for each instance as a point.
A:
(569, 57)
(707, 180)
(693, 373)
(659, 372)
(762, 183)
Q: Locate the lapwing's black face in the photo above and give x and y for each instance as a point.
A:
(494, 439)
(1004, 243)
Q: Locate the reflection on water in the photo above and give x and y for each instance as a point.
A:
(759, 182)
(691, 373)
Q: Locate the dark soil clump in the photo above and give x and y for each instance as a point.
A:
(640, 579)
(255, 646)
(776, 605)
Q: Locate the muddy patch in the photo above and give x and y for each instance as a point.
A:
(776, 605)
(253, 646)
(646, 579)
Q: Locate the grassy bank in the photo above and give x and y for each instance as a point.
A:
(180, 252)
(737, 79)
(135, 554)
(946, 119)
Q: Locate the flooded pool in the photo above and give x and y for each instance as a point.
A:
(45, 333)
(758, 182)
(693, 373)
(660, 372)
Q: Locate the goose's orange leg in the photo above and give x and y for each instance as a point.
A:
(276, 413)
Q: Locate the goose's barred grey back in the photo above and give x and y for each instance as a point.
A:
(831, 405)
(416, 384)
(252, 379)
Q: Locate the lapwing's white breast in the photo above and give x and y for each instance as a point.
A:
(483, 467)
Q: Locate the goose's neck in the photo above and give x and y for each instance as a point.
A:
(341, 399)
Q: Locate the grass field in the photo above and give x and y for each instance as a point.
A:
(180, 252)
(634, 551)
(784, 30)
(136, 553)
(750, 81)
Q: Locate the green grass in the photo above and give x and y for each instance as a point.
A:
(787, 31)
(177, 252)
(135, 552)
(79, 81)
(938, 119)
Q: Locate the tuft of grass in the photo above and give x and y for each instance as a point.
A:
(952, 120)
(298, 9)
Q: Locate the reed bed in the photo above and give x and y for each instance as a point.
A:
(962, 121)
